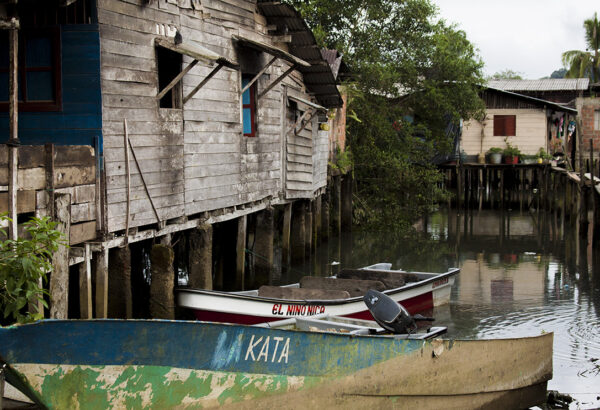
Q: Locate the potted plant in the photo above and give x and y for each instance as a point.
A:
(511, 154)
(495, 155)
(529, 159)
(543, 156)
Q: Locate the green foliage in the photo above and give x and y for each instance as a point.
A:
(581, 64)
(495, 150)
(413, 75)
(343, 159)
(24, 264)
(511, 150)
(543, 154)
(506, 75)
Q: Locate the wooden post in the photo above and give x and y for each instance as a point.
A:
(502, 188)
(308, 229)
(325, 209)
(120, 304)
(13, 140)
(346, 199)
(459, 175)
(582, 211)
(317, 220)
(101, 302)
(298, 233)
(162, 298)
(595, 210)
(263, 244)
(85, 284)
(285, 240)
(59, 278)
(336, 193)
(240, 252)
(200, 257)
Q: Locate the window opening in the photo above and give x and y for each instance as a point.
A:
(505, 125)
(249, 106)
(39, 73)
(169, 67)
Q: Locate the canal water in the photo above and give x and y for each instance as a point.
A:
(521, 274)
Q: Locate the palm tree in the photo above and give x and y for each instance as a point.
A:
(585, 63)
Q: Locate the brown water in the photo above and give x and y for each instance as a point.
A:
(521, 274)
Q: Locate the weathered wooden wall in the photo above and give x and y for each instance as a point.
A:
(74, 173)
(531, 132)
(193, 159)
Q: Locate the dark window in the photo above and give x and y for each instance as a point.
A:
(169, 66)
(505, 125)
(249, 107)
(39, 70)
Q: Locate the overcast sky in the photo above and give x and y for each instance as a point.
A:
(526, 36)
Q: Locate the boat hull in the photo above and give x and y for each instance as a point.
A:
(227, 307)
(162, 364)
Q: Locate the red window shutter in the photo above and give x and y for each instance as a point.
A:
(505, 125)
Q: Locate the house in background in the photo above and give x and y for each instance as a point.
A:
(523, 121)
(200, 119)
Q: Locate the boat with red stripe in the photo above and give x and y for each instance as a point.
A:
(340, 295)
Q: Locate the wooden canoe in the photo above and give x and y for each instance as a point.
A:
(337, 296)
(134, 364)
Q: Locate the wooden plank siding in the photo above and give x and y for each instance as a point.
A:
(530, 132)
(195, 159)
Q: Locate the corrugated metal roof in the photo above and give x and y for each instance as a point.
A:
(318, 78)
(547, 84)
(538, 101)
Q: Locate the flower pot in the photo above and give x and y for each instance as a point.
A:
(481, 158)
(495, 158)
(511, 160)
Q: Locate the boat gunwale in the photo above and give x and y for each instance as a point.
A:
(389, 292)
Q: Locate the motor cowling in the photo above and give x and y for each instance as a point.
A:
(388, 313)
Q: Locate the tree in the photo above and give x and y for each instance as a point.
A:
(413, 75)
(506, 75)
(560, 73)
(24, 264)
(582, 64)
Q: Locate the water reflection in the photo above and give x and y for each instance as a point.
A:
(521, 274)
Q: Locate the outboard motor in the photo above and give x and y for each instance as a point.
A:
(391, 315)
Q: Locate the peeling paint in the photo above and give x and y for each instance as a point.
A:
(102, 387)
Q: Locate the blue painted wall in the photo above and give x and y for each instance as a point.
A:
(80, 120)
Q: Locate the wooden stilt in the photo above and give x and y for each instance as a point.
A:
(85, 284)
(59, 278)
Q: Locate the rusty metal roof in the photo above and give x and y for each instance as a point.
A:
(318, 77)
(546, 84)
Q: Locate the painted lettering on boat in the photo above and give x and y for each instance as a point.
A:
(268, 349)
(440, 282)
(297, 310)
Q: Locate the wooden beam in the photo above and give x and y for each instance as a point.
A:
(257, 76)
(12, 24)
(13, 139)
(144, 183)
(202, 83)
(59, 279)
(85, 284)
(102, 283)
(176, 79)
(275, 82)
(128, 176)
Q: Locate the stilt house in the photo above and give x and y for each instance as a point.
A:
(157, 117)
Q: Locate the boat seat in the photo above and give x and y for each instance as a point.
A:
(391, 280)
(279, 292)
(355, 287)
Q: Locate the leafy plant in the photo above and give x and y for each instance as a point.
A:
(511, 150)
(343, 159)
(543, 154)
(495, 150)
(24, 265)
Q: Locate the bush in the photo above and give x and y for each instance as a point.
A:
(24, 266)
